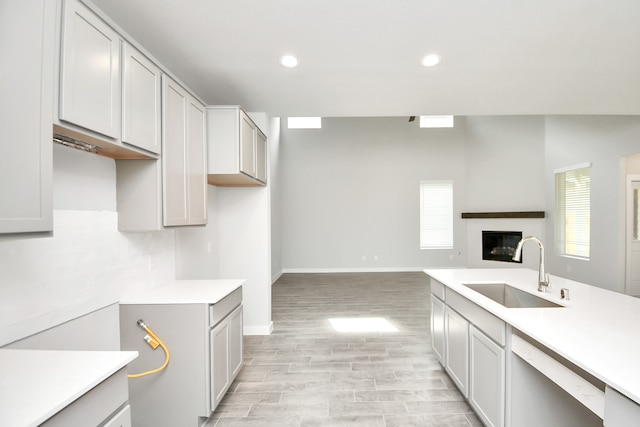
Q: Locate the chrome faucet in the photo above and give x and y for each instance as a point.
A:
(543, 278)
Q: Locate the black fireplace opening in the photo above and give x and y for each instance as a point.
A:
(500, 245)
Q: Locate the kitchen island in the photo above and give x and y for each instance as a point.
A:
(595, 331)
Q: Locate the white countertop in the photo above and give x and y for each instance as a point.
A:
(37, 384)
(598, 330)
(186, 292)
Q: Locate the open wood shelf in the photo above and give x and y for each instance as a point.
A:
(480, 215)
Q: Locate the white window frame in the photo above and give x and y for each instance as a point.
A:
(572, 236)
(436, 214)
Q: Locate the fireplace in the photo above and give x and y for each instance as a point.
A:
(500, 245)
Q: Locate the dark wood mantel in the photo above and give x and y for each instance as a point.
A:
(479, 215)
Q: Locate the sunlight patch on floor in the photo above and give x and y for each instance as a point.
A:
(362, 324)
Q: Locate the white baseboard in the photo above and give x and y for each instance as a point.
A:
(353, 270)
(275, 277)
(258, 330)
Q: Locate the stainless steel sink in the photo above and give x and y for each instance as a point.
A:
(509, 296)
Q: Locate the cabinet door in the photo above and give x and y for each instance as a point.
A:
(457, 349)
(437, 328)
(174, 139)
(26, 105)
(141, 84)
(486, 378)
(196, 163)
(261, 156)
(121, 419)
(235, 342)
(220, 361)
(619, 410)
(247, 145)
(90, 71)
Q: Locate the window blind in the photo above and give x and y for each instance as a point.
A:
(573, 211)
(436, 214)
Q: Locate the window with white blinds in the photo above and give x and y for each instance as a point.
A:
(573, 211)
(436, 214)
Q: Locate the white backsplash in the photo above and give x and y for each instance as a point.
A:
(86, 264)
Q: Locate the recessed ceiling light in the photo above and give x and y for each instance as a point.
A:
(289, 61)
(430, 60)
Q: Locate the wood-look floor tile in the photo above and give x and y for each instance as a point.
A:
(455, 420)
(307, 374)
(250, 398)
(438, 407)
(410, 384)
(288, 409)
(351, 421)
(342, 409)
(316, 396)
(258, 422)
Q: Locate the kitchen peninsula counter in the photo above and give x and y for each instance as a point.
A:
(596, 329)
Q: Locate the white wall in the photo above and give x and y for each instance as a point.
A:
(603, 141)
(504, 164)
(347, 190)
(350, 193)
(197, 247)
(236, 242)
(85, 263)
(275, 184)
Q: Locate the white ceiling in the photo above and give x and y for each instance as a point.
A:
(362, 57)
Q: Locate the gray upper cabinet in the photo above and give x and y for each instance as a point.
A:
(261, 156)
(152, 194)
(90, 71)
(184, 154)
(108, 93)
(141, 101)
(26, 105)
(237, 148)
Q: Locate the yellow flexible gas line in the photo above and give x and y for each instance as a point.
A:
(164, 348)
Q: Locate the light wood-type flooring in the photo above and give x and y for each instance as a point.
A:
(307, 374)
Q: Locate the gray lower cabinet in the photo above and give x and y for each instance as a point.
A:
(486, 378)
(205, 343)
(470, 343)
(457, 353)
(104, 405)
(226, 348)
(619, 410)
(437, 327)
